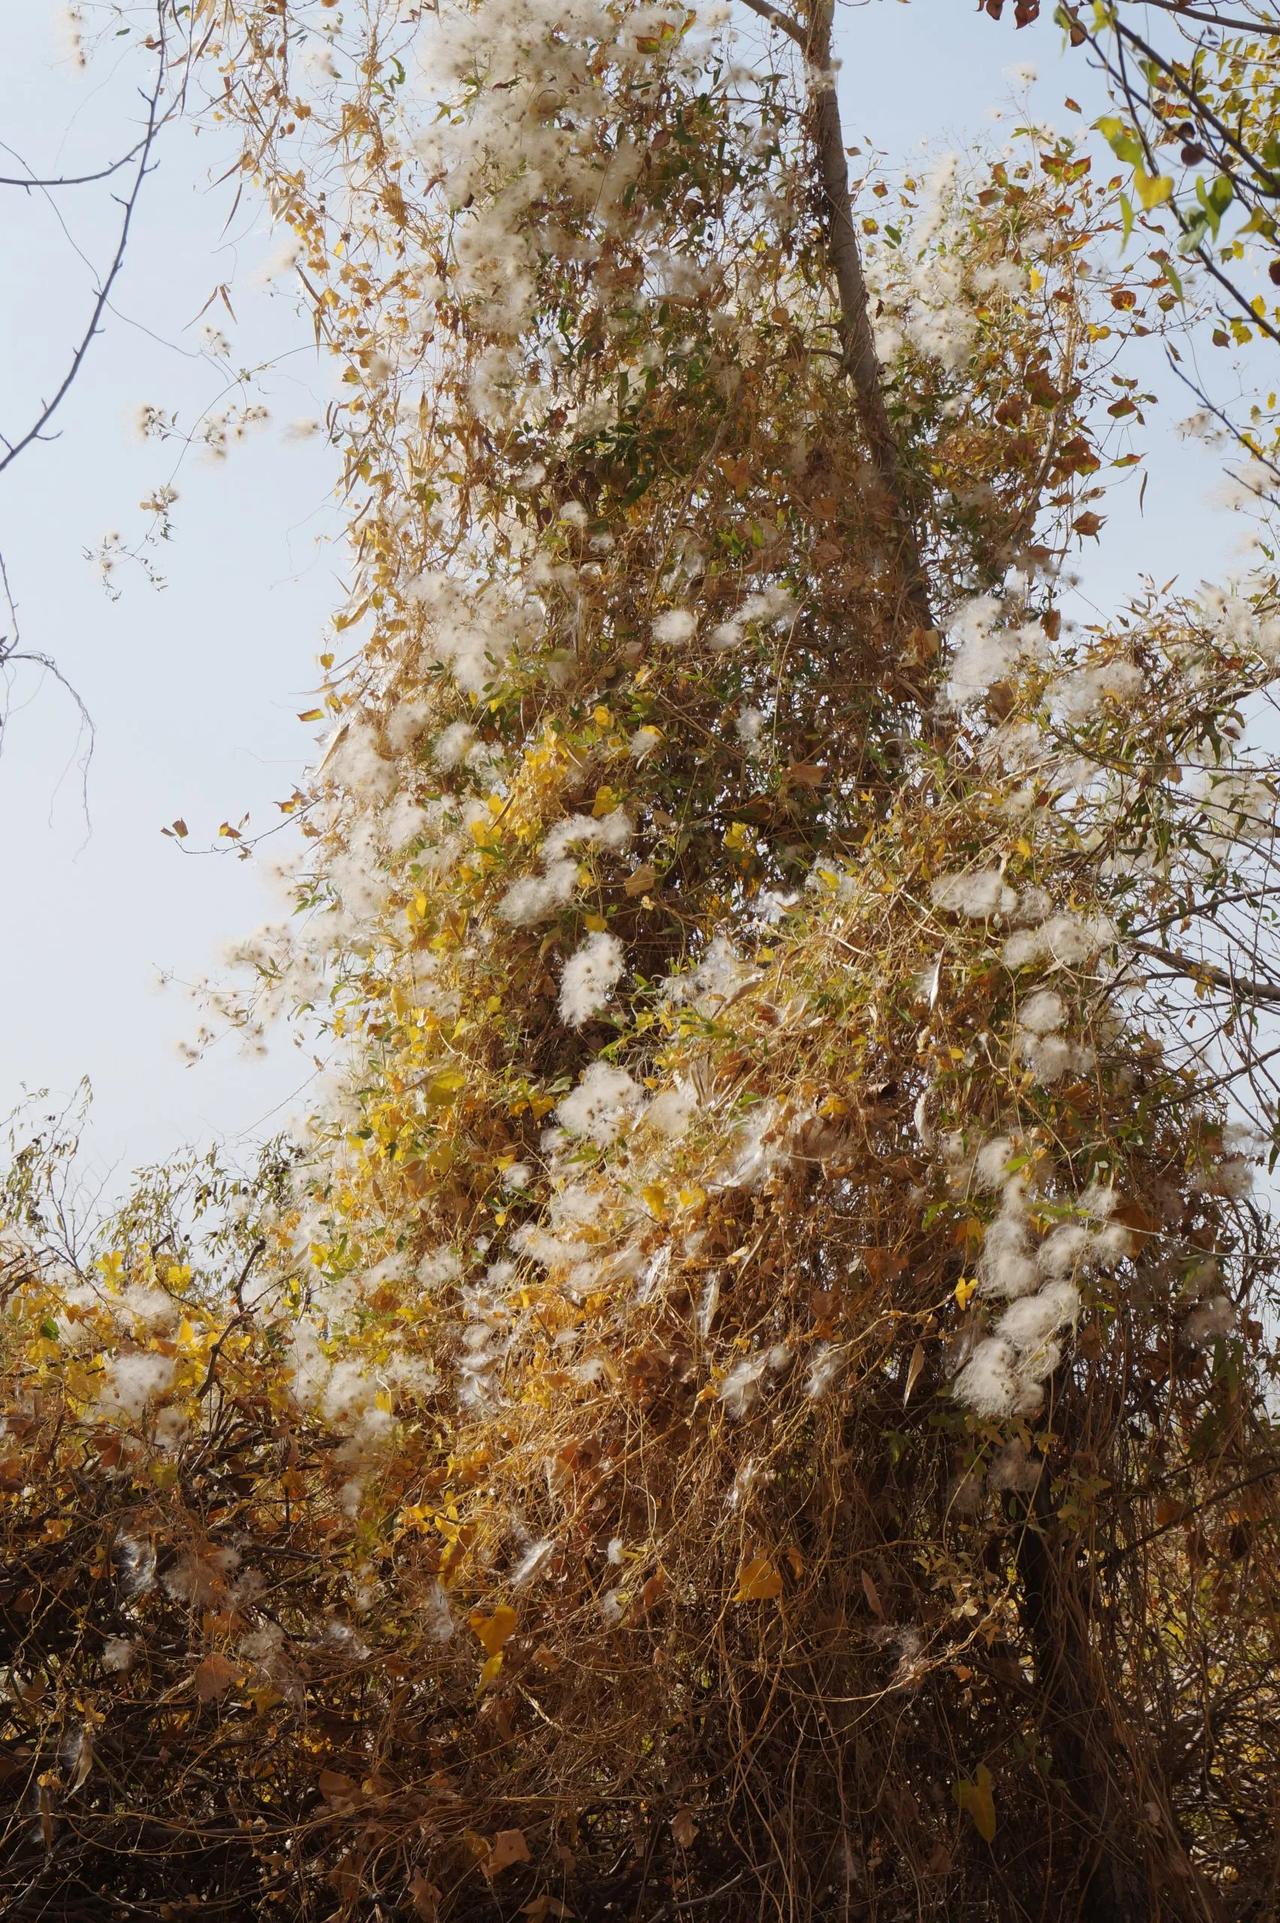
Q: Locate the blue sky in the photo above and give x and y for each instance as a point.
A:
(194, 689)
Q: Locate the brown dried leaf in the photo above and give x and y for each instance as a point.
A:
(508, 1847)
(425, 1897)
(654, 1590)
(213, 1678)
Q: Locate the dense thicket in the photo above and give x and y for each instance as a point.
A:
(748, 1399)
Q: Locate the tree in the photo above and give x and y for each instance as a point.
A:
(749, 1400)
(1198, 137)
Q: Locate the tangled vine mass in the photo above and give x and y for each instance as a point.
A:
(750, 1394)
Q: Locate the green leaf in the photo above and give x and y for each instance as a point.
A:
(977, 1799)
(1121, 139)
(1171, 274)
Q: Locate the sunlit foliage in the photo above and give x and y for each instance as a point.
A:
(748, 1395)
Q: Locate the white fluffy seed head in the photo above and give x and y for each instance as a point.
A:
(1005, 1266)
(675, 626)
(988, 1383)
(978, 896)
(590, 977)
(1029, 1323)
(1042, 1012)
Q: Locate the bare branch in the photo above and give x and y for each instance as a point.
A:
(776, 18)
(1259, 25)
(71, 180)
(1178, 964)
(154, 122)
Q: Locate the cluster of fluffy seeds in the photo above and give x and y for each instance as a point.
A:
(590, 976)
(774, 606)
(535, 897)
(1082, 693)
(1039, 1277)
(1062, 941)
(986, 647)
(132, 1382)
(605, 1101)
(978, 895)
(677, 625)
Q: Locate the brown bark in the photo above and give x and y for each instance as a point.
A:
(1131, 1865)
(857, 341)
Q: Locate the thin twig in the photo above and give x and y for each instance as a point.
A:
(71, 180)
(155, 121)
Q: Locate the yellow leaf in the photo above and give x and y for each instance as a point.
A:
(978, 1800)
(758, 1581)
(490, 1670)
(444, 1086)
(655, 1197)
(493, 1631)
(966, 1289)
(1152, 189)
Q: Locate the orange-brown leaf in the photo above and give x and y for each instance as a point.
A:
(508, 1847)
(213, 1678)
(759, 1580)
